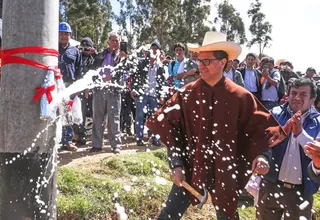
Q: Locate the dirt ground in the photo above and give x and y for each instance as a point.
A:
(84, 158)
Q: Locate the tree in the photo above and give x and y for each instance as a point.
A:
(88, 18)
(231, 23)
(154, 19)
(127, 13)
(259, 28)
(189, 25)
(167, 21)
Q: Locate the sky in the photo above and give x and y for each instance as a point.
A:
(295, 33)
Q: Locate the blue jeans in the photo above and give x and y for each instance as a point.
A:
(144, 105)
(177, 203)
(67, 134)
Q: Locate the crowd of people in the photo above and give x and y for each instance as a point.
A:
(218, 117)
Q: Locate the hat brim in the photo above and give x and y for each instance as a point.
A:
(280, 61)
(232, 49)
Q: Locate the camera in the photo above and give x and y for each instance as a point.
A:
(264, 68)
(86, 49)
(123, 46)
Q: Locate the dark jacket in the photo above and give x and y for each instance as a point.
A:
(140, 79)
(237, 77)
(312, 126)
(117, 73)
(312, 175)
(257, 73)
(70, 63)
(288, 75)
(87, 63)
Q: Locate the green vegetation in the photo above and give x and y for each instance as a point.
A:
(139, 182)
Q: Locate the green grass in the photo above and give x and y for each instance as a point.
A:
(91, 193)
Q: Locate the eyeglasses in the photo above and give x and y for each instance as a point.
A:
(205, 62)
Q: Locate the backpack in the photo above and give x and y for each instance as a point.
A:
(172, 65)
(282, 86)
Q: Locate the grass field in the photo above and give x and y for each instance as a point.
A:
(133, 185)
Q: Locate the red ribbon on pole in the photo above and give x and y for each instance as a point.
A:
(44, 91)
(9, 58)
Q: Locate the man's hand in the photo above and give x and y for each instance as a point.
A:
(122, 54)
(86, 93)
(314, 151)
(265, 74)
(177, 176)
(260, 165)
(92, 51)
(161, 101)
(287, 127)
(296, 123)
(133, 95)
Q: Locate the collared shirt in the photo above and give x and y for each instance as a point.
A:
(177, 68)
(228, 74)
(152, 83)
(190, 64)
(291, 170)
(250, 81)
(107, 64)
(270, 93)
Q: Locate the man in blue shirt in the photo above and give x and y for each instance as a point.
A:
(70, 59)
(287, 185)
(174, 66)
(70, 65)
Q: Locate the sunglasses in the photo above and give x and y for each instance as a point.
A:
(205, 62)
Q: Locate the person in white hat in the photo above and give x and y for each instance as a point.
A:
(216, 131)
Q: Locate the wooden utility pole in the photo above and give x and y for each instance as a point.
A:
(27, 181)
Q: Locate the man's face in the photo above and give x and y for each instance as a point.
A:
(64, 37)
(86, 48)
(146, 53)
(179, 51)
(270, 66)
(310, 74)
(213, 67)
(300, 99)
(229, 64)
(250, 61)
(235, 64)
(114, 43)
(194, 55)
(154, 49)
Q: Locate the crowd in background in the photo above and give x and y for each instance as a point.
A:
(149, 80)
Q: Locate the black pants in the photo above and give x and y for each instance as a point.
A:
(275, 200)
(128, 112)
(177, 204)
(86, 108)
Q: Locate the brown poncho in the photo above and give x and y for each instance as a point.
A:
(215, 133)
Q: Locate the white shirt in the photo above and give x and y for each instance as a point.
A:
(291, 170)
(270, 93)
(152, 84)
(229, 74)
(182, 66)
(250, 81)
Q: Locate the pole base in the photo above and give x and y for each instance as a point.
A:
(24, 193)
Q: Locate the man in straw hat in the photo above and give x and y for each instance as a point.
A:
(215, 131)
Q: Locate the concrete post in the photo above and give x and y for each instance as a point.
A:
(25, 192)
